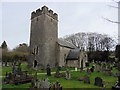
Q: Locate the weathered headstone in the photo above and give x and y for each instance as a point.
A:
(75, 68)
(98, 82)
(57, 86)
(32, 84)
(88, 71)
(87, 64)
(81, 70)
(57, 73)
(85, 79)
(48, 70)
(92, 69)
(68, 75)
(97, 67)
(47, 83)
(19, 69)
(117, 84)
(14, 69)
(103, 68)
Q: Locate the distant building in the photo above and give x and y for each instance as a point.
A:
(46, 48)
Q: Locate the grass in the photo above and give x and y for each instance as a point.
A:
(24, 68)
(73, 83)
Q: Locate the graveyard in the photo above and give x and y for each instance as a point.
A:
(72, 82)
(80, 60)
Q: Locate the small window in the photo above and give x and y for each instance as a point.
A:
(35, 63)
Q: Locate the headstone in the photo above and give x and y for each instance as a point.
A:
(57, 73)
(108, 67)
(40, 83)
(19, 69)
(68, 76)
(103, 68)
(87, 64)
(35, 76)
(48, 70)
(14, 69)
(88, 71)
(97, 67)
(57, 86)
(44, 83)
(32, 83)
(92, 69)
(81, 70)
(47, 83)
(75, 68)
(117, 84)
(59, 67)
(98, 82)
(85, 79)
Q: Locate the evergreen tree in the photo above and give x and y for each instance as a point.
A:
(4, 46)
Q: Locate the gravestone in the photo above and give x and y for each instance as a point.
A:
(92, 69)
(87, 64)
(58, 74)
(117, 84)
(88, 71)
(107, 70)
(40, 83)
(35, 76)
(81, 70)
(14, 69)
(57, 86)
(97, 67)
(75, 68)
(68, 75)
(103, 68)
(44, 83)
(33, 84)
(98, 82)
(85, 79)
(48, 70)
(19, 69)
(109, 67)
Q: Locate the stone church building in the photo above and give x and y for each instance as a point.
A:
(46, 48)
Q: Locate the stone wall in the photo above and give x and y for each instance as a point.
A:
(72, 63)
(62, 55)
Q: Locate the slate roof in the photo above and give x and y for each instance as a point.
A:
(74, 54)
(66, 44)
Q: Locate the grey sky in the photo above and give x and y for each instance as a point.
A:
(73, 17)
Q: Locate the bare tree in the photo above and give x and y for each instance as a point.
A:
(91, 41)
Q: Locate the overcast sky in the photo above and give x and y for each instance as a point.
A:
(73, 18)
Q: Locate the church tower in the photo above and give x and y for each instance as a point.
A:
(43, 38)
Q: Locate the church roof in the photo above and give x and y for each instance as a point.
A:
(74, 54)
(66, 44)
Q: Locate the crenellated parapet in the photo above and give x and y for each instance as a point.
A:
(44, 10)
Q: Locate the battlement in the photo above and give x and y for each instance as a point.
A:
(44, 10)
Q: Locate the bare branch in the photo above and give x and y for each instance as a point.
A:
(112, 6)
(116, 1)
(110, 20)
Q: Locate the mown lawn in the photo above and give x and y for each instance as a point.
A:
(24, 68)
(73, 83)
